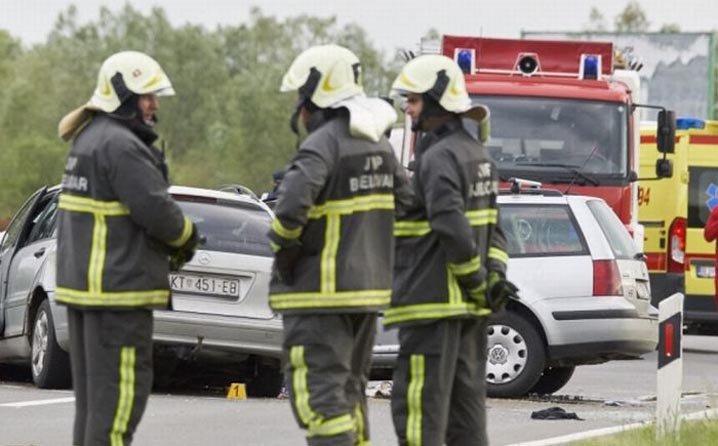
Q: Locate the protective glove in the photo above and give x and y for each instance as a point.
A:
(285, 259)
(184, 253)
(499, 291)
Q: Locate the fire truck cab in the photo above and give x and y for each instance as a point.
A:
(559, 114)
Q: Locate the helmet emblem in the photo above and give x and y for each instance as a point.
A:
(327, 84)
(137, 73)
(106, 89)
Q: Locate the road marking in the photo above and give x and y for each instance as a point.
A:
(39, 402)
(702, 415)
(583, 435)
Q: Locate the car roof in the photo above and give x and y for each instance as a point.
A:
(206, 193)
(212, 193)
(538, 198)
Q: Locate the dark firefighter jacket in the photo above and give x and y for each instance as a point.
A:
(337, 200)
(116, 221)
(449, 238)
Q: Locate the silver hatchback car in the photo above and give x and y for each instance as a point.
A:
(585, 295)
(219, 299)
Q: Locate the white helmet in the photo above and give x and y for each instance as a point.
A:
(325, 75)
(442, 79)
(125, 73)
(121, 75)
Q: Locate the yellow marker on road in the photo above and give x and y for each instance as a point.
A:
(237, 391)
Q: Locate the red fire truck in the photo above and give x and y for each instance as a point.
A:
(562, 115)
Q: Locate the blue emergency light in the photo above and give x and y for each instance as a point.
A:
(690, 123)
(590, 66)
(465, 59)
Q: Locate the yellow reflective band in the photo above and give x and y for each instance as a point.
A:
(411, 228)
(419, 228)
(365, 298)
(455, 294)
(462, 269)
(82, 204)
(112, 298)
(328, 267)
(299, 384)
(153, 80)
(482, 217)
(498, 254)
(363, 203)
(432, 311)
(361, 438)
(97, 255)
(126, 397)
(413, 396)
(331, 427)
(283, 232)
(184, 236)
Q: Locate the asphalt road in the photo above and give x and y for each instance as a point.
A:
(615, 393)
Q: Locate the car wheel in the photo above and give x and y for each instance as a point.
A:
(266, 383)
(515, 356)
(50, 365)
(553, 379)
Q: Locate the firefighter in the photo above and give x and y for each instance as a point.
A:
(117, 227)
(450, 264)
(710, 233)
(333, 243)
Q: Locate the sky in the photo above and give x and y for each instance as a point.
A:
(391, 24)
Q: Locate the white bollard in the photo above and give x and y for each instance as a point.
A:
(670, 365)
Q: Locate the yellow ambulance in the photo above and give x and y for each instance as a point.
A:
(674, 212)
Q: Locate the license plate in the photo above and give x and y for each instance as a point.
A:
(706, 272)
(205, 285)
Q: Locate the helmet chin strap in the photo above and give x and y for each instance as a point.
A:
(431, 98)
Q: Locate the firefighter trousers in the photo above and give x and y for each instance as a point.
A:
(439, 392)
(328, 359)
(111, 358)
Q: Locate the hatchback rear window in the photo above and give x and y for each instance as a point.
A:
(230, 227)
(541, 230)
(621, 243)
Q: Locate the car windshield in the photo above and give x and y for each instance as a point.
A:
(228, 226)
(545, 139)
(618, 237)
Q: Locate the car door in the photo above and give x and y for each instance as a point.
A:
(15, 233)
(31, 254)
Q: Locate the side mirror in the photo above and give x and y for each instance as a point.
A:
(664, 168)
(666, 132)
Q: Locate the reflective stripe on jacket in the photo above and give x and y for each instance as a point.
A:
(337, 200)
(450, 238)
(116, 222)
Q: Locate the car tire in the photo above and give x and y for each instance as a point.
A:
(515, 356)
(553, 379)
(267, 383)
(49, 364)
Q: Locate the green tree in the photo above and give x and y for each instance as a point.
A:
(632, 19)
(596, 21)
(228, 122)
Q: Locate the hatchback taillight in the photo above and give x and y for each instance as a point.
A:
(606, 278)
(677, 245)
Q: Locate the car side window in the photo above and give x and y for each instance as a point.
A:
(14, 231)
(43, 225)
(541, 230)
